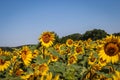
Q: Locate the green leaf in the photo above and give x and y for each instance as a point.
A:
(53, 51)
(5, 57)
(29, 70)
(57, 67)
(40, 60)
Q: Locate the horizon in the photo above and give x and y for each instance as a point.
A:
(23, 21)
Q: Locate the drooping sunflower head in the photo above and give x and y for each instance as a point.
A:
(111, 49)
(26, 55)
(35, 53)
(69, 42)
(56, 46)
(92, 59)
(47, 39)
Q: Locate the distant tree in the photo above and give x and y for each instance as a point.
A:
(75, 36)
(7, 49)
(116, 34)
(94, 34)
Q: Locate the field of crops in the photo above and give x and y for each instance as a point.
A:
(71, 60)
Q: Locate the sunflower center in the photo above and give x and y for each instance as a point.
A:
(42, 68)
(111, 49)
(54, 57)
(19, 72)
(92, 59)
(68, 50)
(70, 42)
(72, 59)
(46, 38)
(2, 62)
(78, 49)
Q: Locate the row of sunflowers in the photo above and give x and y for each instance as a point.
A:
(73, 60)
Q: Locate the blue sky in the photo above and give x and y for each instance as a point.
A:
(22, 21)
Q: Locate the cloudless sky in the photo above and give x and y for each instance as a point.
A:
(22, 21)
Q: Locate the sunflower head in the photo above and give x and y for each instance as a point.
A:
(69, 42)
(92, 59)
(53, 58)
(72, 59)
(110, 49)
(78, 50)
(26, 55)
(19, 72)
(4, 60)
(43, 68)
(62, 49)
(112, 45)
(47, 39)
(35, 53)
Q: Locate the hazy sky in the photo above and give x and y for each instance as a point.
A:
(22, 21)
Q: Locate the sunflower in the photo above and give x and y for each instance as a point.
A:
(79, 50)
(19, 72)
(72, 59)
(77, 43)
(91, 59)
(4, 60)
(69, 42)
(116, 76)
(4, 64)
(41, 69)
(56, 46)
(110, 50)
(53, 58)
(62, 48)
(47, 39)
(95, 68)
(26, 55)
(68, 50)
(35, 53)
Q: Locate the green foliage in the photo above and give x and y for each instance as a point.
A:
(116, 34)
(59, 61)
(94, 34)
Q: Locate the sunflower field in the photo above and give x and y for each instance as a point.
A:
(70, 60)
